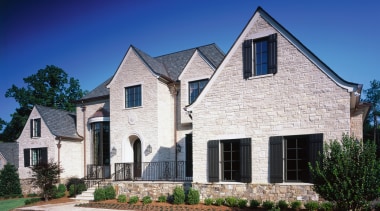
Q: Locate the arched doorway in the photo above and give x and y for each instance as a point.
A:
(137, 158)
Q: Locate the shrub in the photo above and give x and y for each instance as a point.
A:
(60, 191)
(61, 188)
(178, 195)
(9, 181)
(110, 192)
(282, 204)
(162, 198)
(311, 205)
(219, 201)
(241, 203)
(31, 201)
(268, 204)
(327, 206)
(133, 199)
(231, 201)
(146, 200)
(45, 175)
(209, 201)
(75, 186)
(347, 173)
(295, 205)
(122, 198)
(99, 194)
(254, 203)
(193, 196)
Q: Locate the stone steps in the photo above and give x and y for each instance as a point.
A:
(86, 196)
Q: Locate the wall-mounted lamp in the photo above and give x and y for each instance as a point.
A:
(178, 148)
(148, 149)
(113, 151)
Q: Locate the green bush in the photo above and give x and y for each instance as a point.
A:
(162, 198)
(75, 186)
(311, 205)
(9, 181)
(208, 201)
(193, 196)
(219, 201)
(32, 200)
(231, 201)
(99, 194)
(268, 204)
(60, 191)
(133, 199)
(295, 205)
(146, 200)
(347, 173)
(254, 203)
(282, 204)
(110, 192)
(178, 195)
(122, 198)
(327, 206)
(241, 203)
(61, 188)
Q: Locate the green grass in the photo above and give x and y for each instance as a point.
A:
(12, 203)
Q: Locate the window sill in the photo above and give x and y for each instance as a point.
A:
(261, 76)
(131, 108)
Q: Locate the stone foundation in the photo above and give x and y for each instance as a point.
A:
(261, 192)
(27, 187)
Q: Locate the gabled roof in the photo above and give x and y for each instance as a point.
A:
(99, 92)
(60, 123)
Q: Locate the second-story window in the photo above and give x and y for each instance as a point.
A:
(35, 127)
(195, 88)
(133, 96)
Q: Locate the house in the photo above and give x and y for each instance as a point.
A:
(49, 135)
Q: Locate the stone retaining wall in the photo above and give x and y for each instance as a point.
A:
(262, 192)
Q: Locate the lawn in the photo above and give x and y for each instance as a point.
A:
(12, 203)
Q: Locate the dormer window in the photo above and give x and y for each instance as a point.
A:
(260, 56)
(35, 127)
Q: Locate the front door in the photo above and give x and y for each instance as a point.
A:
(137, 158)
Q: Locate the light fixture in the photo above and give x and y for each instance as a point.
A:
(148, 149)
(113, 151)
(178, 148)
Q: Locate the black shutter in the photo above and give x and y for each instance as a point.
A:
(31, 128)
(213, 160)
(247, 59)
(272, 54)
(245, 160)
(189, 155)
(315, 147)
(26, 157)
(275, 159)
(44, 155)
(38, 127)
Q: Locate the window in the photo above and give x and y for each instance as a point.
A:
(35, 156)
(260, 56)
(235, 160)
(35, 127)
(195, 88)
(133, 96)
(101, 143)
(290, 155)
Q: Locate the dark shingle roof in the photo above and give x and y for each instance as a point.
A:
(99, 91)
(60, 123)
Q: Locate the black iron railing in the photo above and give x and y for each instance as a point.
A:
(153, 171)
(98, 172)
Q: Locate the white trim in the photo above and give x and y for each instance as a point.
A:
(98, 119)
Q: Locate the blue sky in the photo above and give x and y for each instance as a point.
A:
(88, 38)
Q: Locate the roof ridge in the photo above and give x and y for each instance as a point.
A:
(193, 48)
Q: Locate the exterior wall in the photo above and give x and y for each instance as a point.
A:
(71, 159)
(25, 141)
(90, 109)
(299, 99)
(357, 125)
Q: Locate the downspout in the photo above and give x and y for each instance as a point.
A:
(84, 140)
(59, 158)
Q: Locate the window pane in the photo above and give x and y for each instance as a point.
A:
(133, 96)
(261, 57)
(195, 88)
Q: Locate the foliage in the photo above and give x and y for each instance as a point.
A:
(242, 203)
(146, 200)
(178, 195)
(32, 200)
(193, 196)
(347, 173)
(99, 194)
(110, 192)
(326, 206)
(122, 198)
(311, 205)
(295, 204)
(373, 97)
(45, 175)
(60, 191)
(282, 204)
(268, 204)
(208, 201)
(75, 186)
(133, 199)
(219, 201)
(49, 87)
(254, 203)
(162, 198)
(231, 201)
(9, 181)
(3, 123)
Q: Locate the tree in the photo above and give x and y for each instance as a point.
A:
(347, 173)
(9, 181)
(45, 176)
(2, 124)
(373, 97)
(49, 87)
